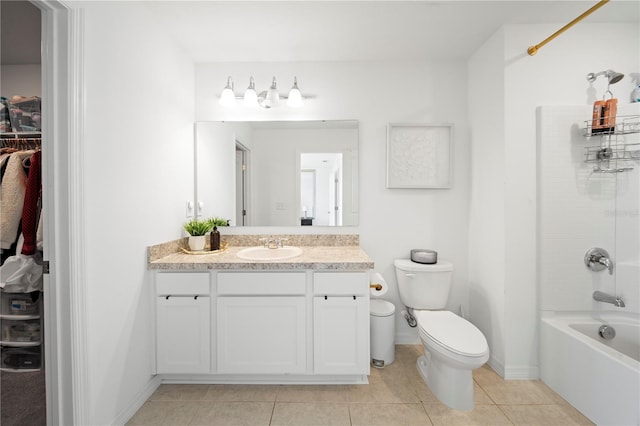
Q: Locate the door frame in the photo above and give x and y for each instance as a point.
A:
(66, 353)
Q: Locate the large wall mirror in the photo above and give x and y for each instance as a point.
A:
(284, 173)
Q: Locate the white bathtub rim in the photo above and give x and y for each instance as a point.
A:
(563, 320)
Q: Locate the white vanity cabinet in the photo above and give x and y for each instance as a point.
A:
(341, 323)
(183, 322)
(261, 322)
(257, 326)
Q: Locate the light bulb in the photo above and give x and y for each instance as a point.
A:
(273, 97)
(295, 97)
(227, 97)
(250, 95)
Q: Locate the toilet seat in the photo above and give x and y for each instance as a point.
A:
(452, 333)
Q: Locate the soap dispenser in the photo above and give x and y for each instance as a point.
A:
(215, 239)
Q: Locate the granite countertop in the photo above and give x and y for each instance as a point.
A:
(314, 256)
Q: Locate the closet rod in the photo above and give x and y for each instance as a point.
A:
(21, 135)
(21, 143)
(532, 50)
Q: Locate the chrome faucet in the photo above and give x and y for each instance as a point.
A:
(273, 243)
(607, 298)
(598, 259)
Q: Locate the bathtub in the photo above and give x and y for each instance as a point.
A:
(600, 378)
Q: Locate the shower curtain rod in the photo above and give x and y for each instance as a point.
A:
(532, 50)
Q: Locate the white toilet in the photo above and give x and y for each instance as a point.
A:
(453, 346)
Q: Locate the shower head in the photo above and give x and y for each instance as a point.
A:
(612, 76)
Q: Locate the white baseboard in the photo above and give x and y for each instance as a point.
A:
(496, 365)
(407, 339)
(138, 402)
(523, 372)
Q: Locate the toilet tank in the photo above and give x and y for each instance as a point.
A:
(423, 286)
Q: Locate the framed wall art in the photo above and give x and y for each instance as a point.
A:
(419, 155)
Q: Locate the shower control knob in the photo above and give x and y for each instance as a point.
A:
(598, 259)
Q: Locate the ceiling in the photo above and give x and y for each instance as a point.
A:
(359, 30)
(255, 31)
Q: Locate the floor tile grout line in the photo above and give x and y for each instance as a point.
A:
(273, 410)
(504, 413)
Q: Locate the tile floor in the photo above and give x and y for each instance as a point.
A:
(395, 395)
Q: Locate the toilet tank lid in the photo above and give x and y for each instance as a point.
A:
(408, 265)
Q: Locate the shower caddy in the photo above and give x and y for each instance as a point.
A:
(614, 154)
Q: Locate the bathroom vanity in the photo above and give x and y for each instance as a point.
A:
(223, 319)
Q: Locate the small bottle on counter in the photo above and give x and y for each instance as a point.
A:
(215, 239)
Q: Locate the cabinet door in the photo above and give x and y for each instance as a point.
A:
(261, 335)
(183, 334)
(341, 335)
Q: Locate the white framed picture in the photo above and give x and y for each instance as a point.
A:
(419, 155)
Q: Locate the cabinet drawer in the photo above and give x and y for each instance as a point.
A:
(182, 283)
(261, 283)
(341, 283)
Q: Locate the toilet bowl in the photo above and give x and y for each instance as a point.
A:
(453, 347)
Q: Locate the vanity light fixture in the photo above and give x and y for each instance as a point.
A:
(295, 97)
(272, 97)
(250, 95)
(266, 99)
(227, 97)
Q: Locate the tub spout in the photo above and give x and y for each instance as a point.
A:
(607, 298)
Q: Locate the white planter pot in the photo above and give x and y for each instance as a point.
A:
(196, 243)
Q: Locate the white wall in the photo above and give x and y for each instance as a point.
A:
(556, 75)
(486, 217)
(138, 163)
(392, 221)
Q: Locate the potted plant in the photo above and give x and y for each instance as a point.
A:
(197, 230)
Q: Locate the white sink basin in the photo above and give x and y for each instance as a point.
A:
(263, 253)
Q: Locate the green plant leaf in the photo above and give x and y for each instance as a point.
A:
(196, 227)
(218, 221)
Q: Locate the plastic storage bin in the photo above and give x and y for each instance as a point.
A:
(382, 321)
(20, 331)
(21, 358)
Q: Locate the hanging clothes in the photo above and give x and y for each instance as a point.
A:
(13, 188)
(31, 207)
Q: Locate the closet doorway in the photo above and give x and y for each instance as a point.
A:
(22, 343)
(56, 54)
